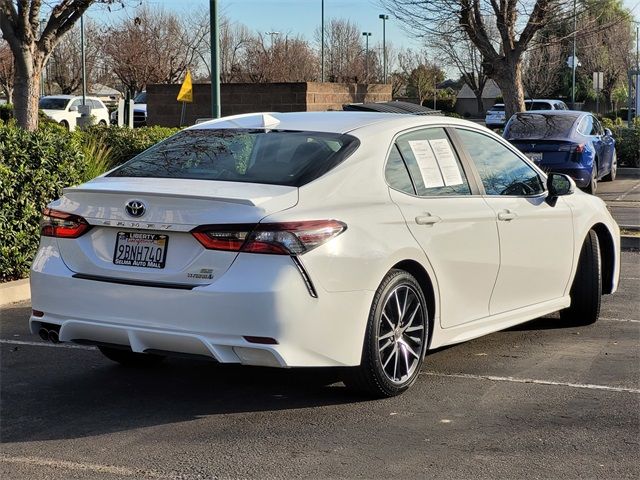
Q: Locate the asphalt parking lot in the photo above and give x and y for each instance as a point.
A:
(538, 401)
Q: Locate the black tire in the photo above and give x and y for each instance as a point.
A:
(614, 169)
(131, 359)
(586, 291)
(65, 124)
(386, 355)
(102, 123)
(593, 184)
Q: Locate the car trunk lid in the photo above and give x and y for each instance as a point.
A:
(172, 208)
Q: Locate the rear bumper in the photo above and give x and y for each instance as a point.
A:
(581, 175)
(259, 296)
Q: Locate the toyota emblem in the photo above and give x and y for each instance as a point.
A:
(135, 208)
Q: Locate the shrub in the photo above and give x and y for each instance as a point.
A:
(125, 143)
(6, 112)
(628, 145)
(34, 168)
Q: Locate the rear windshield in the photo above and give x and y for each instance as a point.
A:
(140, 98)
(538, 125)
(257, 156)
(497, 108)
(53, 103)
(538, 106)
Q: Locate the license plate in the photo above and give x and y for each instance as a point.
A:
(148, 250)
(534, 156)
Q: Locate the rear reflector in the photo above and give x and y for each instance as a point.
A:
(37, 313)
(62, 225)
(290, 238)
(261, 340)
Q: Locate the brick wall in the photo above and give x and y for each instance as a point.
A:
(235, 98)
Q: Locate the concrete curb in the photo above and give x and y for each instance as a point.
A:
(629, 243)
(629, 172)
(12, 292)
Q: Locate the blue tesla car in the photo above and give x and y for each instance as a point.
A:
(566, 141)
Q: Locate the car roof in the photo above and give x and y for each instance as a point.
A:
(576, 113)
(68, 97)
(330, 122)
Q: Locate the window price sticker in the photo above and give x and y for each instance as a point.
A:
(427, 162)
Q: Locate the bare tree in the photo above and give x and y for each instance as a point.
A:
(516, 21)
(65, 65)
(420, 74)
(20, 25)
(543, 67)
(234, 39)
(6, 70)
(457, 51)
(152, 47)
(344, 51)
(282, 59)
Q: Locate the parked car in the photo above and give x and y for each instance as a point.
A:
(495, 117)
(64, 109)
(354, 240)
(545, 104)
(139, 111)
(566, 141)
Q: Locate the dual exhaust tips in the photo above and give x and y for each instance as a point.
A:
(49, 333)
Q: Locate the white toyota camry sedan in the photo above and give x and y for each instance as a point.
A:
(333, 239)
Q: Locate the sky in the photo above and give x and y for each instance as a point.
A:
(303, 16)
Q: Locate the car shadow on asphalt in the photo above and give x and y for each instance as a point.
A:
(98, 397)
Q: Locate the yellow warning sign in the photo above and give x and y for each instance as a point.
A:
(186, 90)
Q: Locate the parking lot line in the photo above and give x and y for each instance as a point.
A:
(87, 467)
(619, 320)
(586, 386)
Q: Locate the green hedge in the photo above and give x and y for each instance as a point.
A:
(627, 141)
(35, 167)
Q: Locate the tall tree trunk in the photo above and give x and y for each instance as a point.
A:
(26, 93)
(479, 102)
(508, 76)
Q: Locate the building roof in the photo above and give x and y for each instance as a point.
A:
(491, 91)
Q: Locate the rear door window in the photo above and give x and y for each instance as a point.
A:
(433, 164)
(397, 174)
(238, 155)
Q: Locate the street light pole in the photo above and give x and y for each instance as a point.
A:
(84, 62)
(215, 58)
(384, 19)
(573, 61)
(366, 55)
(322, 42)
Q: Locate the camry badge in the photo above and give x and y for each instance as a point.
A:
(135, 208)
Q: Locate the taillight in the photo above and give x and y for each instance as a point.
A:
(579, 148)
(62, 225)
(290, 238)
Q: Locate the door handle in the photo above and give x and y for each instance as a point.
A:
(507, 215)
(427, 219)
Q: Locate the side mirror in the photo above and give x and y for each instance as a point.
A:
(558, 185)
(608, 132)
(73, 109)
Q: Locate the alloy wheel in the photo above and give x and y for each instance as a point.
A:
(400, 334)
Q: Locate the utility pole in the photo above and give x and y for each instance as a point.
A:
(366, 55)
(574, 62)
(215, 58)
(322, 42)
(384, 19)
